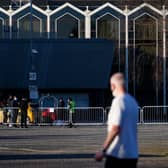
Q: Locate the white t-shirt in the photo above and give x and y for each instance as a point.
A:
(124, 113)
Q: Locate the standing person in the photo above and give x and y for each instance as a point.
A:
(10, 109)
(35, 105)
(5, 111)
(71, 107)
(9, 101)
(61, 103)
(61, 109)
(24, 107)
(120, 147)
(15, 110)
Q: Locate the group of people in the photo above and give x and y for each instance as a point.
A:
(11, 111)
(13, 105)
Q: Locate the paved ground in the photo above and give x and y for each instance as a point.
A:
(59, 147)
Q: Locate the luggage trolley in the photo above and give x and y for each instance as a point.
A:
(48, 109)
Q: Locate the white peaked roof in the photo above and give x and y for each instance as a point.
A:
(107, 5)
(4, 11)
(28, 5)
(46, 13)
(67, 5)
(145, 5)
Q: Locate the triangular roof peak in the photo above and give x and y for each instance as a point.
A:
(145, 4)
(4, 11)
(28, 5)
(107, 5)
(67, 5)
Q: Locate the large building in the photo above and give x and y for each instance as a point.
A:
(103, 36)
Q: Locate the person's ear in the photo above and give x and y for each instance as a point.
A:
(113, 86)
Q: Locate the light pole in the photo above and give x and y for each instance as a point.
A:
(126, 49)
(33, 89)
(164, 57)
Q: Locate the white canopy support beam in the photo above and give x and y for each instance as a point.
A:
(10, 21)
(164, 56)
(48, 26)
(48, 21)
(126, 48)
(87, 24)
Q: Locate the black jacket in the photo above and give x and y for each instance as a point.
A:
(24, 104)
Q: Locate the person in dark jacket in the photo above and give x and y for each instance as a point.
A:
(61, 110)
(14, 108)
(24, 107)
(10, 109)
(9, 101)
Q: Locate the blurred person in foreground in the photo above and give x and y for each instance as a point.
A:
(120, 147)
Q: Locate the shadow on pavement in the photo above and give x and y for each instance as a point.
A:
(59, 156)
(46, 156)
(150, 155)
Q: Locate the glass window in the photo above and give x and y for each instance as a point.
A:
(144, 58)
(108, 27)
(67, 27)
(25, 27)
(146, 28)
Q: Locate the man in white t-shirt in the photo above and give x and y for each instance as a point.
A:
(120, 147)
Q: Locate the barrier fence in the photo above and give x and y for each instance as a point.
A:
(107, 109)
(154, 114)
(79, 116)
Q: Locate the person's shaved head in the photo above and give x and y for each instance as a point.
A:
(117, 82)
(118, 79)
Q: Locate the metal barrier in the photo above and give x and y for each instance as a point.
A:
(155, 115)
(63, 116)
(139, 115)
(55, 116)
(10, 115)
(107, 109)
(52, 116)
(80, 116)
(89, 115)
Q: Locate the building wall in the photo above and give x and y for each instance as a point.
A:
(142, 59)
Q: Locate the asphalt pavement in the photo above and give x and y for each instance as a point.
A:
(62, 147)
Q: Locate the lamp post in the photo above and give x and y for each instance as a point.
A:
(33, 89)
(126, 48)
(164, 57)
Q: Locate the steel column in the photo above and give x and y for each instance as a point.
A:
(126, 48)
(164, 56)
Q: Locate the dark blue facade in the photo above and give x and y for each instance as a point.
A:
(60, 64)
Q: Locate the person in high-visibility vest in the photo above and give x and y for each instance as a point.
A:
(24, 107)
(71, 107)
